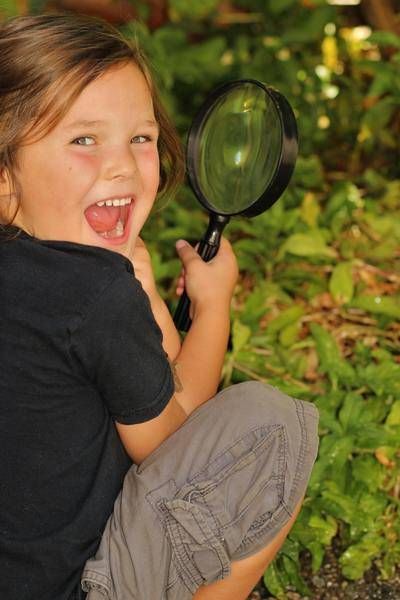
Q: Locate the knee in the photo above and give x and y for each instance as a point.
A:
(268, 403)
(253, 395)
(252, 404)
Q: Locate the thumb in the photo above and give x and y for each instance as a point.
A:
(185, 251)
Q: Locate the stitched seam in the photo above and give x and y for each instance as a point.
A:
(202, 500)
(280, 476)
(224, 471)
(177, 544)
(275, 519)
(282, 459)
(210, 540)
(302, 452)
(186, 564)
(91, 576)
(298, 471)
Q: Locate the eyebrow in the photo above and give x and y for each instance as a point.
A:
(88, 123)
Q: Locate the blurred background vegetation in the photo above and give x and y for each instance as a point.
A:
(317, 308)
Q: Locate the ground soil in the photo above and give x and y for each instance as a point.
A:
(329, 584)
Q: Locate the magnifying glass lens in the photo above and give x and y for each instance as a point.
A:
(239, 149)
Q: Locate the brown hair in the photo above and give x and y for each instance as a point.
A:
(45, 63)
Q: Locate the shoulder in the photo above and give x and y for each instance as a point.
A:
(69, 275)
(100, 280)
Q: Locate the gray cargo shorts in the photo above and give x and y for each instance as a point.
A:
(217, 490)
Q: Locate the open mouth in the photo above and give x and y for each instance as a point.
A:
(109, 218)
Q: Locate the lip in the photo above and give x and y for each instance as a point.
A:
(123, 238)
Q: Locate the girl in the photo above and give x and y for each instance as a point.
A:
(116, 481)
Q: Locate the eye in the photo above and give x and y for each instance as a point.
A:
(78, 141)
(142, 139)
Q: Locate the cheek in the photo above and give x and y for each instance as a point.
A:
(151, 166)
(71, 181)
(81, 164)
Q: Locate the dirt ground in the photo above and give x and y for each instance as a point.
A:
(329, 584)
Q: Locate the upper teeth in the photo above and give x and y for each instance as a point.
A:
(118, 202)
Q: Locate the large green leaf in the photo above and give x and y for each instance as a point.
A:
(367, 470)
(331, 361)
(325, 529)
(286, 317)
(275, 582)
(358, 558)
(341, 284)
(351, 411)
(384, 305)
(394, 415)
(311, 243)
(383, 378)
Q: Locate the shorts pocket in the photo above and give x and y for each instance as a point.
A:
(198, 552)
(208, 518)
(245, 484)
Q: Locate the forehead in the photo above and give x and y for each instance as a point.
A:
(121, 90)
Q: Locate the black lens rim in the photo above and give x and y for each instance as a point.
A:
(287, 155)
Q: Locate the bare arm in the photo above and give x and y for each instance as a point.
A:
(199, 358)
(210, 287)
(142, 439)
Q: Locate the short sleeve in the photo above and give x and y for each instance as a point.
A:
(119, 346)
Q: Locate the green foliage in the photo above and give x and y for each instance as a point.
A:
(341, 285)
(199, 9)
(8, 8)
(316, 311)
(317, 308)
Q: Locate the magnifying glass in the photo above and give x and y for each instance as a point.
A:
(241, 152)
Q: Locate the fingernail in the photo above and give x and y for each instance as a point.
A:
(180, 244)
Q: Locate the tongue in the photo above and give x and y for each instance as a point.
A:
(102, 218)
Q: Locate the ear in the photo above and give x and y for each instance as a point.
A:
(7, 195)
(6, 187)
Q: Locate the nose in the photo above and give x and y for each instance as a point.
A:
(121, 163)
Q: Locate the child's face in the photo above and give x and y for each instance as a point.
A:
(75, 166)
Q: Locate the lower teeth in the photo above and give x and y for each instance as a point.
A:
(119, 228)
(116, 232)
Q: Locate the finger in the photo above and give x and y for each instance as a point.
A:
(186, 252)
(224, 249)
(226, 245)
(180, 284)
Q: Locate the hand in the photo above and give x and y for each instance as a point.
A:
(208, 284)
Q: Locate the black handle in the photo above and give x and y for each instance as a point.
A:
(208, 248)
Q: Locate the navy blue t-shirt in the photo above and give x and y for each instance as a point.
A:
(79, 348)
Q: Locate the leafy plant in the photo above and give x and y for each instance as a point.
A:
(316, 311)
